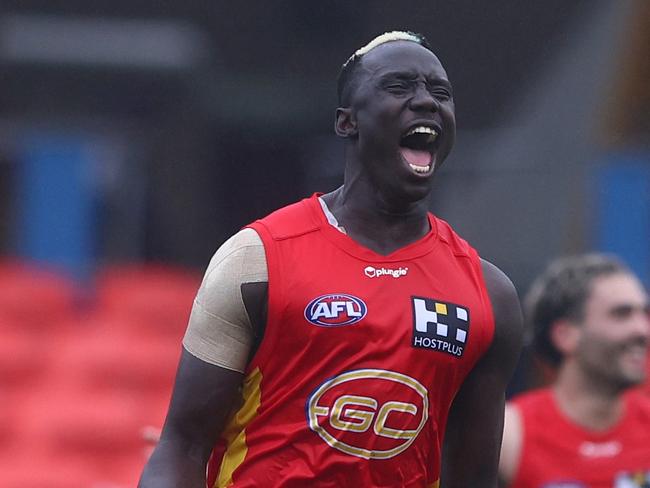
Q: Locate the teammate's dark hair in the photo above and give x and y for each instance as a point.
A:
(346, 79)
(561, 293)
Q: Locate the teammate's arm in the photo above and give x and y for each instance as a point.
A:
(475, 424)
(228, 311)
(511, 446)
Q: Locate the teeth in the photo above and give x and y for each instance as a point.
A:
(420, 169)
(421, 129)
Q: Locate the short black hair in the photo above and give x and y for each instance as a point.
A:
(345, 82)
(561, 292)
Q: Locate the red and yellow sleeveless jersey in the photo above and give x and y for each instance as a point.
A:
(361, 358)
(557, 453)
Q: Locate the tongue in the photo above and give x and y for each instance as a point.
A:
(416, 157)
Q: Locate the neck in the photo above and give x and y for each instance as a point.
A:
(374, 221)
(587, 401)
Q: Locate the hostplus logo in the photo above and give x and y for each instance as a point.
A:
(372, 272)
(440, 326)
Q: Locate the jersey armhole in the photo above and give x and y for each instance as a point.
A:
(487, 302)
(275, 293)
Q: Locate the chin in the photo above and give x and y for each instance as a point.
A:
(416, 193)
(630, 380)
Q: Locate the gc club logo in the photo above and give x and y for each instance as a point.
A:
(369, 413)
(335, 310)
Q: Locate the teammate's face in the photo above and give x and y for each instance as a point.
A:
(404, 114)
(614, 334)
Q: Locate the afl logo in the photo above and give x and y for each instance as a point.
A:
(369, 413)
(335, 310)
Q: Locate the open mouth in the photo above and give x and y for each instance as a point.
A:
(417, 147)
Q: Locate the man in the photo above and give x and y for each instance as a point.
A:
(351, 320)
(590, 319)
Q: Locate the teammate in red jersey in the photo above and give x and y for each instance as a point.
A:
(589, 429)
(336, 341)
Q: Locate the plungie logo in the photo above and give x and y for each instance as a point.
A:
(335, 310)
(372, 272)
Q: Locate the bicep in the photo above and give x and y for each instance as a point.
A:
(224, 322)
(215, 352)
(473, 433)
(475, 423)
(202, 398)
(218, 340)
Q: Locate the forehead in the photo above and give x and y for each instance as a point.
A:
(617, 289)
(402, 57)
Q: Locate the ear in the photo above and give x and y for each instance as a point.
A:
(565, 336)
(345, 124)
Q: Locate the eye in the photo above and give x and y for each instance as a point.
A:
(398, 86)
(622, 312)
(441, 93)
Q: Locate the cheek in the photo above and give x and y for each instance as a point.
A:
(596, 344)
(449, 116)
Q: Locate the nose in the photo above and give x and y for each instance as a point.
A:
(423, 100)
(642, 326)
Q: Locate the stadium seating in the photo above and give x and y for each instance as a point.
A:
(86, 383)
(33, 297)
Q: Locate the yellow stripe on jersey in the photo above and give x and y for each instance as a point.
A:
(235, 431)
(434, 485)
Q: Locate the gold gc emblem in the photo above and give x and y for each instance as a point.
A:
(369, 413)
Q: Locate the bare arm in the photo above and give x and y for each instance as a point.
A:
(225, 326)
(202, 398)
(475, 424)
(511, 446)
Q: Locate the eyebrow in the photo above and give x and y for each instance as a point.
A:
(629, 308)
(411, 75)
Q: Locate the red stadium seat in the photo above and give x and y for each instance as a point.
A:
(102, 356)
(157, 298)
(34, 297)
(23, 358)
(28, 471)
(35, 467)
(61, 418)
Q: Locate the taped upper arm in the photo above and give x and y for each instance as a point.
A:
(219, 330)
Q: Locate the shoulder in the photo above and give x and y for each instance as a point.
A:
(515, 435)
(293, 220)
(639, 401)
(241, 259)
(446, 234)
(244, 244)
(508, 320)
(501, 290)
(245, 240)
(531, 401)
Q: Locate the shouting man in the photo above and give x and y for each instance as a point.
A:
(352, 339)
